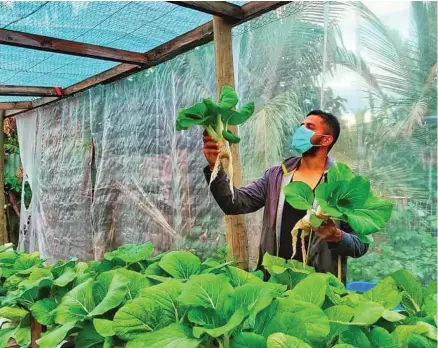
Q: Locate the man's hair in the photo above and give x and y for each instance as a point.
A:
(331, 121)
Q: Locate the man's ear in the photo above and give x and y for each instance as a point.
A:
(327, 140)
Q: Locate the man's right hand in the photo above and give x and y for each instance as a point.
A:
(211, 150)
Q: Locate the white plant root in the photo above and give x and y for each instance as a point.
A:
(305, 226)
(224, 160)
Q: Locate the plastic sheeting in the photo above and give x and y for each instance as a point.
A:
(145, 181)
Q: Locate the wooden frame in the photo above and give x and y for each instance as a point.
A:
(196, 37)
(28, 91)
(235, 225)
(51, 44)
(15, 105)
(217, 8)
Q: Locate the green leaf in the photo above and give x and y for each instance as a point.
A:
(132, 252)
(417, 341)
(343, 345)
(295, 318)
(67, 277)
(42, 311)
(372, 217)
(355, 336)
(248, 340)
(61, 266)
(367, 313)
(339, 172)
(339, 316)
(228, 97)
(229, 136)
(109, 291)
(76, 304)
(353, 194)
(136, 282)
(380, 338)
(403, 333)
(172, 336)
(412, 290)
(26, 261)
(198, 110)
(392, 316)
(6, 335)
(299, 195)
(368, 239)
(235, 118)
(311, 289)
(280, 340)
(104, 327)
(385, 292)
(11, 313)
(89, 338)
(326, 195)
(181, 264)
(55, 336)
(155, 308)
(431, 289)
(238, 277)
(430, 305)
(208, 318)
(236, 319)
(256, 297)
(207, 291)
(22, 336)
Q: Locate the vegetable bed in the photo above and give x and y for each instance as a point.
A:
(134, 299)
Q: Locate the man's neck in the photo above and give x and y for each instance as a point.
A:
(314, 162)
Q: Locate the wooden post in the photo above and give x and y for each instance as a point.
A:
(3, 233)
(236, 236)
(35, 333)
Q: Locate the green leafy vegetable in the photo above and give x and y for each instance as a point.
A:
(215, 119)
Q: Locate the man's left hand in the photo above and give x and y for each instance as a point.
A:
(329, 232)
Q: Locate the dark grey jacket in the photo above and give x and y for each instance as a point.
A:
(265, 192)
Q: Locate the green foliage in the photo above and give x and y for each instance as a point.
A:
(345, 196)
(179, 300)
(215, 117)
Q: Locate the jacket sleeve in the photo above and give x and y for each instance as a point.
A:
(247, 199)
(350, 244)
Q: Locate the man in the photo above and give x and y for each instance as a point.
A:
(331, 243)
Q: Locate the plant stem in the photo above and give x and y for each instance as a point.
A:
(226, 341)
(212, 132)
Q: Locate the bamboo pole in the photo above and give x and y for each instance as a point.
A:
(3, 233)
(235, 226)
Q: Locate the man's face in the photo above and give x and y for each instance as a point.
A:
(317, 124)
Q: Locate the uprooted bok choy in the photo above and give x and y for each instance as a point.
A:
(215, 118)
(344, 197)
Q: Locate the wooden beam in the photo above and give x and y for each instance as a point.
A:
(36, 330)
(256, 8)
(15, 105)
(217, 8)
(27, 91)
(181, 44)
(196, 37)
(51, 44)
(235, 226)
(103, 77)
(3, 233)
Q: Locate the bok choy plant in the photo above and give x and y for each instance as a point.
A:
(215, 118)
(344, 197)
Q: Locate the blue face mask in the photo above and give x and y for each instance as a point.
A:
(301, 140)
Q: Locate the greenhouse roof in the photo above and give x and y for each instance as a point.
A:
(119, 36)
